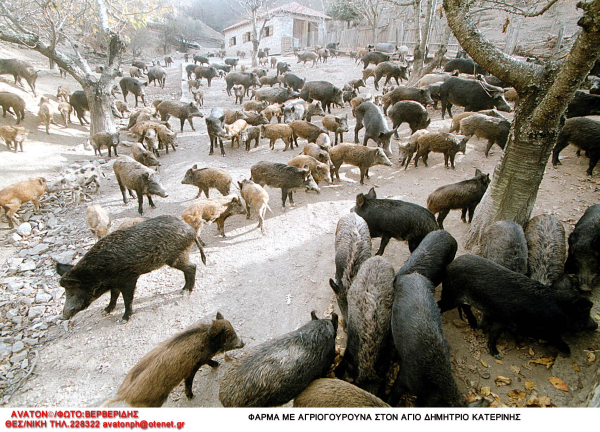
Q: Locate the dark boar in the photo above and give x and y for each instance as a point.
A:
(150, 381)
(440, 142)
(583, 104)
(181, 110)
(411, 112)
(157, 74)
(288, 178)
(277, 371)
(389, 218)
(357, 155)
(143, 156)
(19, 69)
(214, 126)
(211, 210)
(105, 139)
(465, 66)
(134, 86)
(402, 93)
(314, 109)
(406, 152)
(116, 262)
(190, 69)
(337, 125)
(389, 70)
(293, 81)
(168, 61)
(323, 91)
(510, 300)
(425, 368)
(374, 57)
(336, 393)
(233, 62)
(583, 260)
(132, 175)
(247, 79)
(369, 116)
(430, 259)
(495, 130)
(255, 119)
(12, 197)
(200, 59)
(206, 178)
(10, 100)
(504, 243)
(352, 249)
(583, 133)
(140, 64)
(207, 72)
(464, 195)
(473, 95)
(370, 299)
(546, 249)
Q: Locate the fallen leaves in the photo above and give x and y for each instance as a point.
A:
(485, 391)
(483, 363)
(517, 395)
(545, 361)
(591, 357)
(529, 385)
(539, 401)
(558, 383)
(502, 381)
(576, 368)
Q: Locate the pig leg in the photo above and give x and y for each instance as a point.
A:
(221, 145)
(114, 295)
(442, 215)
(291, 195)
(127, 292)
(357, 128)
(140, 198)
(446, 157)
(123, 190)
(557, 341)
(471, 211)
(182, 122)
(189, 271)
(385, 239)
(463, 216)
(489, 146)
(594, 158)
(150, 201)
(362, 176)
(496, 330)
(284, 195)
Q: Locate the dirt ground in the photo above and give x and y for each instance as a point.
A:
(265, 285)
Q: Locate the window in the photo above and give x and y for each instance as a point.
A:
(232, 41)
(268, 31)
(247, 37)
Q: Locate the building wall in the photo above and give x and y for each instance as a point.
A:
(283, 27)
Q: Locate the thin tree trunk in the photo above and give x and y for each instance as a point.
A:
(101, 117)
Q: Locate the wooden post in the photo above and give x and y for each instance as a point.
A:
(559, 41)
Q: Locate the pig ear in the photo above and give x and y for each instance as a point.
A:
(335, 287)
(195, 166)
(477, 171)
(582, 305)
(334, 321)
(146, 176)
(61, 269)
(219, 316)
(372, 193)
(596, 243)
(314, 316)
(360, 201)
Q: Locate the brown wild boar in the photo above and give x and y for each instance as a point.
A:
(278, 131)
(98, 220)
(206, 178)
(105, 139)
(10, 100)
(256, 198)
(143, 156)
(12, 197)
(13, 135)
(320, 171)
(181, 110)
(357, 155)
(151, 380)
(63, 93)
(46, 113)
(65, 109)
(211, 210)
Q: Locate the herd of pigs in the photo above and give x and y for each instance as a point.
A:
(524, 280)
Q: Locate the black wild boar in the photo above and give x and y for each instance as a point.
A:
(440, 142)
(352, 249)
(19, 69)
(213, 210)
(510, 300)
(189, 70)
(206, 178)
(357, 155)
(402, 93)
(411, 112)
(583, 260)
(546, 249)
(374, 57)
(150, 381)
(140, 64)
(389, 218)
(208, 72)
(10, 100)
(293, 81)
(337, 125)
(288, 178)
(465, 66)
(200, 59)
(583, 133)
(157, 74)
(247, 79)
(276, 371)
(214, 126)
(133, 176)
(233, 62)
(282, 68)
(369, 116)
(181, 110)
(472, 95)
(389, 70)
(370, 299)
(323, 91)
(168, 61)
(134, 86)
(583, 104)
(425, 368)
(464, 195)
(336, 393)
(430, 259)
(116, 262)
(105, 139)
(143, 156)
(504, 243)
(495, 130)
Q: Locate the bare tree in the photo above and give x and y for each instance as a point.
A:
(40, 25)
(257, 10)
(372, 11)
(544, 92)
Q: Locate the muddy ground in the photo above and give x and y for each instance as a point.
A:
(265, 285)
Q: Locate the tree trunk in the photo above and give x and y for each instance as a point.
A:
(101, 117)
(420, 70)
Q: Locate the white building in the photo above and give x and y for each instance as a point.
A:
(290, 26)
